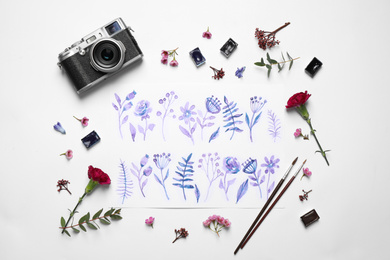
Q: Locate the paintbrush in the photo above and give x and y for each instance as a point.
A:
(273, 204)
(266, 204)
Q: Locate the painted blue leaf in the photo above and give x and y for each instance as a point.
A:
(262, 179)
(247, 119)
(225, 100)
(141, 129)
(254, 184)
(187, 179)
(176, 179)
(242, 190)
(252, 178)
(214, 135)
(184, 131)
(229, 124)
(179, 170)
(116, 108)
(197, 193)
(221, 186)
(181, 164)
(166, 176)
(178, 185)
(188, 187)
(199, 123)
(133, 132)
(118, 99)
(271, 187)
(231, 182)
(144, 183)
(193, 128)
(257, 118)
(125, 185)
(274, 125)
(157, 179)
(189, 158)
(125, 119)
(151, 127)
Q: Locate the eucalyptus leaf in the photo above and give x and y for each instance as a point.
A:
(66, 232)
(83, 228)
(291, 63)
(92, 226)
(108, 213)
(269, 72)
(104, 221)
(261, 64)
(97, 214)
(117, 211)
(63, 223)
(75, 230)
(116, 217)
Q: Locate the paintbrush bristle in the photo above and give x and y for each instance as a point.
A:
(296, 159)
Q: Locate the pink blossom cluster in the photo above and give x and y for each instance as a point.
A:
(166, 54)
(217, 222)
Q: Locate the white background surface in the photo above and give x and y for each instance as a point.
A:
(348, 108)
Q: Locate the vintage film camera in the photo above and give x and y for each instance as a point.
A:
(99, 55)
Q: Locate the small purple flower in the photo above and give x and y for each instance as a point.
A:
(144, 160)
(213, 105)
(231, 165)
(143, 109)
(148, 171)
(162, 160)
(256, 104)
(58, 127)
(270, 164)
(187, 113)
(239, 72)
(131, 95)
(250, 166)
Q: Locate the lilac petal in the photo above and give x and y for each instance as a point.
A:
(266, 160)
(192, 107)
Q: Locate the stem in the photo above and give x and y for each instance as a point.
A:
(281, 27)
(74, 211)
(315, 137)
(163, 184)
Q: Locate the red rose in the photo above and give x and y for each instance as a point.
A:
(298, 99)
(98, 175)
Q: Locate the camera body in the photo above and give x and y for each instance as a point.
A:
(99, 55)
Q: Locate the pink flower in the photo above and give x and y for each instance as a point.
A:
(84, 121)
(207, 34)
(164, 60)
(149, 221)
(68, 154)
(227, 223)
(298, 132)
(206, 223)
(306, 172)
(174, 63)
(164, 54)
(216, 223)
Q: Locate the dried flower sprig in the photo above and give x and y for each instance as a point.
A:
(218, 74)
(84, 121)
(170, 53)
(180, 233)
(96, 177)
(63, 185)
(272, 62)
(217, 222)
(305, 195)
(68, 154)
(149, 221)
(267, 39)
(90, 222)
(298, 133)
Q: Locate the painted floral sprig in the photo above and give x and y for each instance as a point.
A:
(180, 233)
(298, 133)
(216, 223)
(122, 107)
(267, 39)
(272, 62)
(113, 214)
(170, 53)
(166, 102)
(298, 102)
(256, 105)
(96, 177)
(141, 172)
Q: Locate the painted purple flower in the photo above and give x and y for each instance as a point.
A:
(250, 166)
(144, 160)
(188, 112)
(231, 165)
(270, 164)
(239, 72)
(148, 171)
(166, 102)
(143, 109)
(162, 161)
(58, 127)
(213, 105)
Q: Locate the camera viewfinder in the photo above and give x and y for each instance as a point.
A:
(113, 28)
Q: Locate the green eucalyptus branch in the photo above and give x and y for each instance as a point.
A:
(272, 62)
(90, 222)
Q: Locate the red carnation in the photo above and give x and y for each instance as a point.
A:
(98, 175)
(298, 99)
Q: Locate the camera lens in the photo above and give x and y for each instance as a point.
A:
(107, 55)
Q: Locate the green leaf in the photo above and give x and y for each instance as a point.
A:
(291, 63)
(259, 64)
(269, 72)
(118, 211)
(268, 57)
(289, 57)
(283, 57)
(83, 228)
(97, 214)
(108, 213)
(92, 226)
(105, 221)
(279, 67)
(75, 230)
(63, 222)
(268, 66)
(272, 61)
(87, 217)
(66, 232)
(116, 217)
